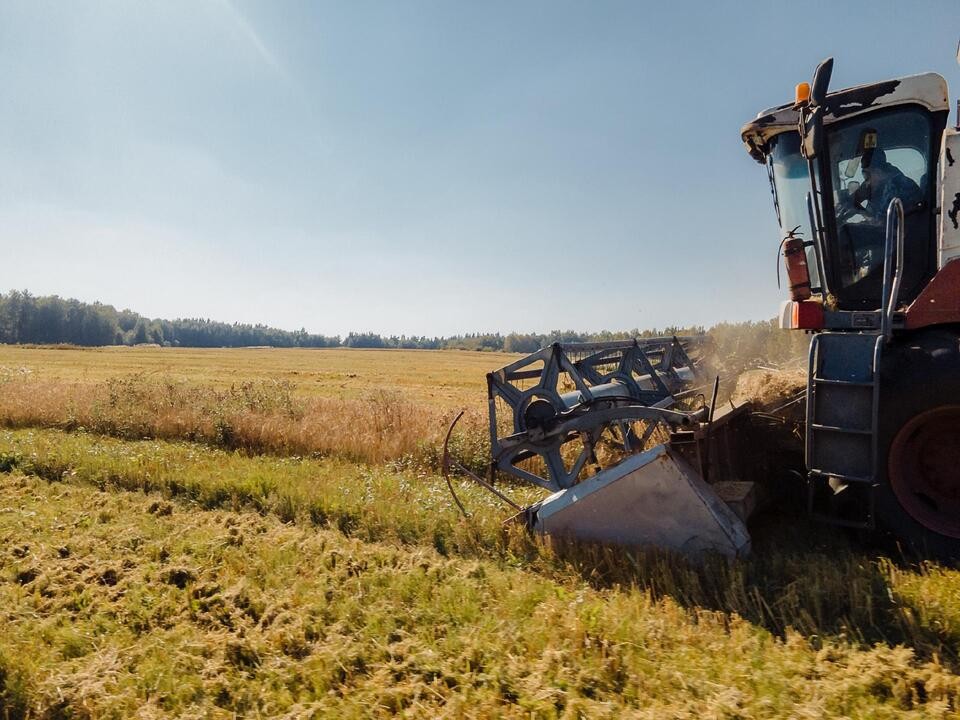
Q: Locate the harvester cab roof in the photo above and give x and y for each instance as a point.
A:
(928, 90)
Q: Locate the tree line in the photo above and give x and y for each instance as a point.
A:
(50, 320)
(510, 342)
(25, 318)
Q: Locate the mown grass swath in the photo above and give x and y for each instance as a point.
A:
(117, 604)
(793, 580)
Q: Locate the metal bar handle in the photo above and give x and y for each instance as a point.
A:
(817, 245)
(892, 274)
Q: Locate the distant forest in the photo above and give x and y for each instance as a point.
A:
(51, 320)
(25, 318)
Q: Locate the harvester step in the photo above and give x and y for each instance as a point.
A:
(858, 479)
(848, 383)
(835, 428)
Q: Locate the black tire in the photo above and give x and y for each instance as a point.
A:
(918, 497)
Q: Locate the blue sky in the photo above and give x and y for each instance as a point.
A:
(416, 167)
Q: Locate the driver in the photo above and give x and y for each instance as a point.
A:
(882, 182)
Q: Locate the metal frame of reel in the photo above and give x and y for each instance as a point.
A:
(612, 384)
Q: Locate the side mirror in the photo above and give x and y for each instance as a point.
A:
(821, 81)
(811, 116)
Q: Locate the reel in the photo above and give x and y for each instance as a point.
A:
(550, 411)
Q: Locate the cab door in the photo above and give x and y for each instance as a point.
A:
(870, 159)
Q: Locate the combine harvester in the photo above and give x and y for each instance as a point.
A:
(866, 185)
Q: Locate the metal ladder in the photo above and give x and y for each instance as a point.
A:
(843, 396)
(843, 401)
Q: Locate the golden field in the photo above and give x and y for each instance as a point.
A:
(447, 378)
(363, 405)
(263, 533)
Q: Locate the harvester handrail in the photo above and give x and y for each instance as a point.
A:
(892, 275)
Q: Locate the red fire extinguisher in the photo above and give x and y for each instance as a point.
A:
(795, 259)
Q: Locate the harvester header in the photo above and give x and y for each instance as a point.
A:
(619, 434)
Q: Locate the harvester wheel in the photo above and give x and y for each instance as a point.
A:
(918, 499)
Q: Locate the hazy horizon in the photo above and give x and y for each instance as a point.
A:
(424, 168)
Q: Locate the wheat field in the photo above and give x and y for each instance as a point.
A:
(263, 533)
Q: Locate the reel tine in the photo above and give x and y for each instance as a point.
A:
(446, 443)
(445, 466)
(449, 463)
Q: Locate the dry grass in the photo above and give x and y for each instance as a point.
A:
(363, 405)
(256, 416)
(374, 503)
(442, 378)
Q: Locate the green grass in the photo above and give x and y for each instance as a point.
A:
(800, 579)
(371, 502)
(124, 604)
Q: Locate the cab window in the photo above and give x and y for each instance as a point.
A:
(874, 159)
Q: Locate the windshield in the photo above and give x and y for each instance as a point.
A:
(791, 183)
(872, 161)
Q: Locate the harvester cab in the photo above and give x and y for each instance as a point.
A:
(866, 187)
(836, 161)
